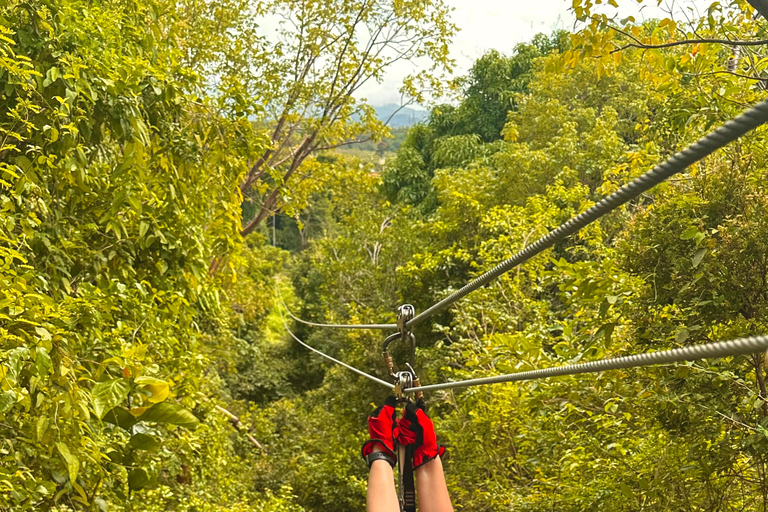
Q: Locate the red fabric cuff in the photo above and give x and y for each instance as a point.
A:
(422, 458)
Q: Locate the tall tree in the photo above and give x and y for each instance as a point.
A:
(325, 51)
(452, 135)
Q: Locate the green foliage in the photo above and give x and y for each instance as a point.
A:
(682, 265)
(310, 74)
(143, 359)
(118, 188)
(451, 136)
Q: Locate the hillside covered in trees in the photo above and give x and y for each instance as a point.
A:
(171, 175)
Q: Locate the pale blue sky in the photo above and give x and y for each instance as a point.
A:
(501, 24)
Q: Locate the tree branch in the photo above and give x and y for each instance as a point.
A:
(645, 46)
(239, 426)
(301, 153)
(340, 144)
(748, 77)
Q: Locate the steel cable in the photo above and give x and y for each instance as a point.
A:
(340, 326)
(314, 324)
(345, 365)
(734, 347)
(715, 140)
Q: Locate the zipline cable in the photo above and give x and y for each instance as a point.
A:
(377, 380)
(386, 384)
(715, 140)
(339, 326)
(733, 347)
(314, 324)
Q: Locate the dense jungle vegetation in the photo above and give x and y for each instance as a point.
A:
(151, 148)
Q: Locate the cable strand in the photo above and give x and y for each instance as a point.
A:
(735, 347)
(377, 380)
(339, 326)
(730, 131)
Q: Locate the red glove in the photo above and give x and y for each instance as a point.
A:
(415, 428)
(382, 428)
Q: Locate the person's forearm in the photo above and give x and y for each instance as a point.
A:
(431, 489)
(382, 496)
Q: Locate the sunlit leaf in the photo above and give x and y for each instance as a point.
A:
(167, 412)
(108, 394)
(72, 462)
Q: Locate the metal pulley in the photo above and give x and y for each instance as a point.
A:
(404, 379)
(405, 314)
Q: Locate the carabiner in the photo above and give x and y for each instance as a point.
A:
(407, 378)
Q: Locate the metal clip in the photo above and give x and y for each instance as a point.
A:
(415, 383)
(403, 381)
(404, 315)
(407, 378)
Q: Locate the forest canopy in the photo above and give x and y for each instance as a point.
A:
(171, 177)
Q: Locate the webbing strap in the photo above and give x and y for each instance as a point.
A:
(409, 489)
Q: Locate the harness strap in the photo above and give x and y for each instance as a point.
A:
(409, 489)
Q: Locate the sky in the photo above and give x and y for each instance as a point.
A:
(500, 25)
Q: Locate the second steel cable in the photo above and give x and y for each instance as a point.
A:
(323, 354)
(734, 347)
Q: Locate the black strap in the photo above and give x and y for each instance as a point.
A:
(409, 489)
(374, 456)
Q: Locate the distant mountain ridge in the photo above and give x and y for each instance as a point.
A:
(405, 117)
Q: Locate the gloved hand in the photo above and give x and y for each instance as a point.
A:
(382, 427)
(415, 428)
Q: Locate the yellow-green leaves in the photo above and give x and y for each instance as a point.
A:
(108, 394)
(157, 389)
(70, 459)
(167, 412)
(7, 399)
(118, 178)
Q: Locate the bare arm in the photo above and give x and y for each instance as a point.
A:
(431, 488)
(382, 496)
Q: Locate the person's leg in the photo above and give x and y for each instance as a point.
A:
(382, 496)
(431, 490)
(415, 428)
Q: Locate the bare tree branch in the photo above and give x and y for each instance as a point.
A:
(238, 425)
(645, 46)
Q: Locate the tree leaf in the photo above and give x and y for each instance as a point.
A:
(43, 333)
(138, 411)
(627, 492)
(7, 399)
(159, 388)
(108, 394)
(174, 414)
(143, 442)
(42, 361)
(698, 257)
(689, 233)
(43, 422)
(73, 464)
(101, 504)
(120, 417)
(137, 479)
